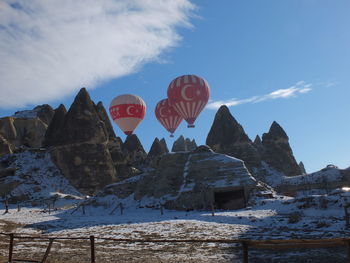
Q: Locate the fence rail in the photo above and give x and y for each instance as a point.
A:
(245, 244)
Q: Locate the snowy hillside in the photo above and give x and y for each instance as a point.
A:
(34, 178)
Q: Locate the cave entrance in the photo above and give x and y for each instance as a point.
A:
(230, 199)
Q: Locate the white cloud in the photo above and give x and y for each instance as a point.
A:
(299, 88)
(49, 49)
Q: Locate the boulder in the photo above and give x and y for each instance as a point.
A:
(227, 136)
(277, 152)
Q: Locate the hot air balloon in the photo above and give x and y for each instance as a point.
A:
(188, 95)
(127, 112)
(167, 116)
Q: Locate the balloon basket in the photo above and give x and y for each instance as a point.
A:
(190, 126)
(171, 135)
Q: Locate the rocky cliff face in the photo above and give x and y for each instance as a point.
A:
(23, 132)
(26, 128)
(5, 147)
(82, 145)
(277, 152)
(184, 145)
(43, 112)
(228, 136)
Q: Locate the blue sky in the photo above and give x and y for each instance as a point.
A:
(286, 61)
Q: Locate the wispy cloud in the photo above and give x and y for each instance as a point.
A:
(299, 88)
(49, 49)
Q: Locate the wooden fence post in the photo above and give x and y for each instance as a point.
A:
(245, 252)
(47, 250)
(346, 217)
(161, 208)
(212, 209)
(11, 248)
(92, 245)
(6, 206)
(121, 208)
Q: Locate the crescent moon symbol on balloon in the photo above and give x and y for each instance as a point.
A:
(128, 110)
(183, 92)
(161, 112)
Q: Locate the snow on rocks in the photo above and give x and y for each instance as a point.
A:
(35, 178)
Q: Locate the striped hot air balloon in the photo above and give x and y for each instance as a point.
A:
(127, 111)
(188, 95)
(167, 116)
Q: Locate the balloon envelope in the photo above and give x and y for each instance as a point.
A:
(127, 111)
(188, 95)
(167, 116)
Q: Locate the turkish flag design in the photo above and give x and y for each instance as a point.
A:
(167, 116)
(188, 95)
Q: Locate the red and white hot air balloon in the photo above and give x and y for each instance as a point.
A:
(188, 95)
(167, 116)
(127, 112)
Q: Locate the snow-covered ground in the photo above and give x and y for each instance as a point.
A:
(278, 218)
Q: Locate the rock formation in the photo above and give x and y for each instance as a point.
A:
(164, 146)
(26, 128)
(227, 136)
(184, 145)
(43, 112)
(31, 177)
(328, 179)
(190, 180)
(302, 167)
(82, 145)
(134, 151)
(258, 144)
(104, 117)
(277, 152)
(22, 131)
(158, 148)
(5, 147)
(54, 129)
